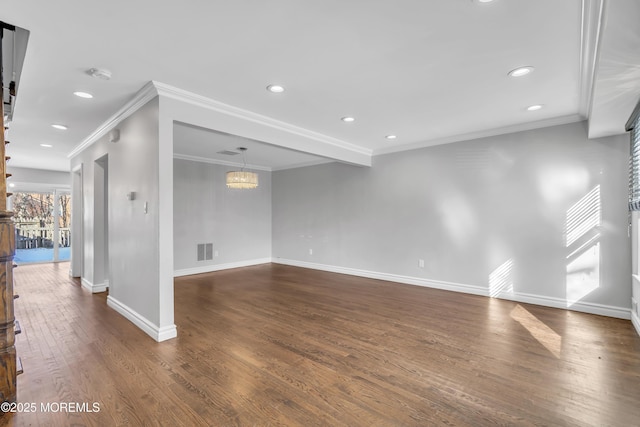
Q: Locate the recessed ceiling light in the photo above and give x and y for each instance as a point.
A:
(99, 73)
(12, 185)
(58, 126)
(521, 71)
(275, 88)
(391, 137)
(348, 119)
(534, 107)
(46, 145)
(83, 95)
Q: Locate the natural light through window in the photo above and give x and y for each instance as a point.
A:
(583, 216)
(501, 279)
(42, 222)
(583, 242)
(583, 274)
(541, 332)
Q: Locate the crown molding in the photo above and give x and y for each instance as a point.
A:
(210, 104)
(144, 95)
(593, 15)
(219, 162)
(556, 121)
(303, 164)
(154, 88)
(248, 166)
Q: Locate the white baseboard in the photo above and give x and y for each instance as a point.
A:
(582, 306)
(585, 307)
(155, 332)
(447, 286)
(217, 267)
(635, 320)
(93, 288)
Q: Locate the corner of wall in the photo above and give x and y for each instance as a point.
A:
(157, 333)
(94, 288)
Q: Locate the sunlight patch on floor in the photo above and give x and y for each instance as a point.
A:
(541, 332)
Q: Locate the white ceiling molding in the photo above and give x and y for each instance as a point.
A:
(220, 162)
(590, 36)
(153, 89)
(556, 121)
(248, 166)
(211, 104)
(303, 165)
(616, 85)
(144, 95)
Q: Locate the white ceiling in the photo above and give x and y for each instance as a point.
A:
(428, 71)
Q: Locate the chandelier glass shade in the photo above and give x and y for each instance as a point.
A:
(242, 179)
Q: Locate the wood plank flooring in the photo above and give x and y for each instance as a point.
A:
(274, 345)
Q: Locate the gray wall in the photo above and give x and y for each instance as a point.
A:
(237, 222)
(490, 215)
(133, 270)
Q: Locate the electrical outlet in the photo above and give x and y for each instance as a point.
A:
(216, 253)
(421, 263)
(310, 251)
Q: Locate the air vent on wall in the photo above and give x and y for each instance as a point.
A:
(228, 152)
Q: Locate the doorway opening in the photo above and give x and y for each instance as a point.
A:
(43, 226)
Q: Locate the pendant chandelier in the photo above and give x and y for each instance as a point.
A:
(242, 179)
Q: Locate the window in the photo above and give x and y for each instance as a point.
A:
(633, 125)
(42, 226)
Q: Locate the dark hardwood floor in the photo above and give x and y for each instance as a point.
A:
(274, 345)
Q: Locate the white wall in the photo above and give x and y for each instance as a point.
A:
(236, 222)
(134, 273)
(100, 224)
(77, 223)
(489, 216)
